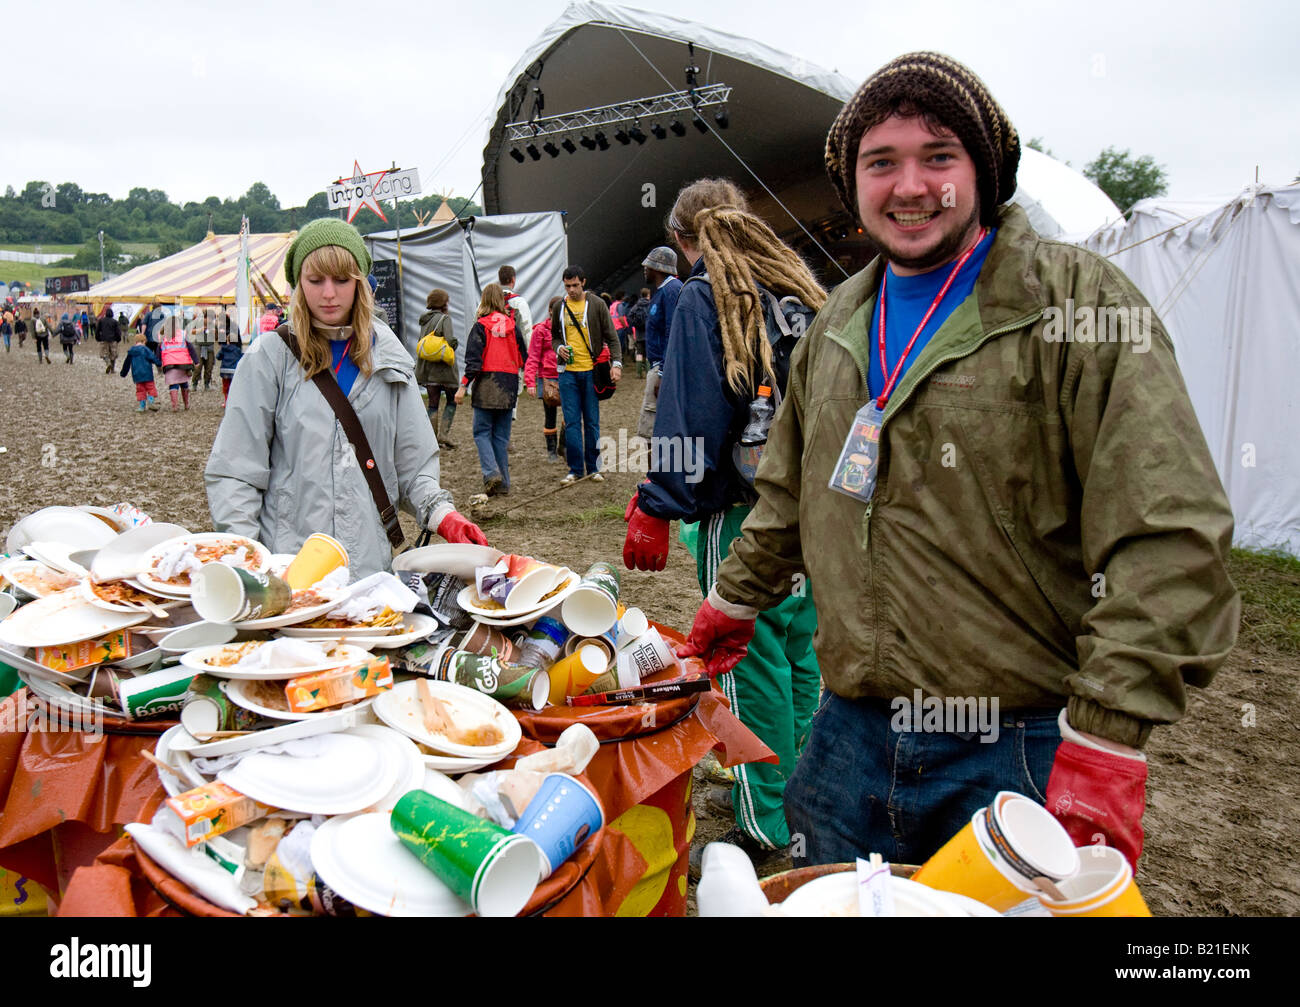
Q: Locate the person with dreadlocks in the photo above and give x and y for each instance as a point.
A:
(718, 358)
(1019, 539)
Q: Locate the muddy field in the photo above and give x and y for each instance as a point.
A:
(1221, 820)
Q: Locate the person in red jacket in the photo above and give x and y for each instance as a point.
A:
(493, 359)
(542, 377)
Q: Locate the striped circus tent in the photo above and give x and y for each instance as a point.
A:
(205, 273)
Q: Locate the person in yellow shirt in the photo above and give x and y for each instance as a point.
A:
(581, 328)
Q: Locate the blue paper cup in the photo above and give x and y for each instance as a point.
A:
(561, 817)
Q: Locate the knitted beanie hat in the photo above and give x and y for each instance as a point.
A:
(319, 233)
(940, 87)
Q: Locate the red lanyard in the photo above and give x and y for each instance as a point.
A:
(348, 345)
(892, 379)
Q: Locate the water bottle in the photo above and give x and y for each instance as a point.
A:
(749, 449)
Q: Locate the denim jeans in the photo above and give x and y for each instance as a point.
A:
(491, 437)
(862, 787)
(581, 421)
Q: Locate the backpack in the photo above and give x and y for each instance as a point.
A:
(785, 320)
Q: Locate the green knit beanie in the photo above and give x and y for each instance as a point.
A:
(318, 234)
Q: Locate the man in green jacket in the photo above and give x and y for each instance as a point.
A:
(989, 465)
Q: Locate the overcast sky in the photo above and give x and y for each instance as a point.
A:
(205, 99)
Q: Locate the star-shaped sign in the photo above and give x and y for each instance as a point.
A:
(362, 191)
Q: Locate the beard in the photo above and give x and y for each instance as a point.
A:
(950, 245)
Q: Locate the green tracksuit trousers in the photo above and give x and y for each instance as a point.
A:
(774, 690)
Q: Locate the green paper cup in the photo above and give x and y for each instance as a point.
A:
(494, 870)
(222, 593)
(513, 685)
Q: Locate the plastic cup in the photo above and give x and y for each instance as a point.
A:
(574, 674)
(319, 555)
(631, 624)
(646, 655)
(1104, 886)
(544, 643)
(222, 593)
(560, 818)
(494, 870)
(592, 608)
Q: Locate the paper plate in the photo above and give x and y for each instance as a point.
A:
(458, 559)
(499, 617)
(411, 772)
(61, 696)
(837, 895)
(197, 660)
(527, 593)
(57, 556)
(197, 634)
(61, 618)
(17, 657)
(399, 708)
(452, 765)
(180, 761)
(110, 518)
(135, 582)
(361, 859)
(337, 721)
(123, 556)
(287, 618)
(32, 579)
(239, 691)
(74, 528)
(414, 627)
(88, 592)
(152, 583)
(349, 774)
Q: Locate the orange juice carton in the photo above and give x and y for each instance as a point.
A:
(204, 812)
(84, 653)
(323, 689)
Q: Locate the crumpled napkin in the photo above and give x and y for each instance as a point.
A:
(284, 652)
(192, 866)
(176, 559)
(371, 595)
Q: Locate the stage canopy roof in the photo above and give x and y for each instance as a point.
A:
(779, 110)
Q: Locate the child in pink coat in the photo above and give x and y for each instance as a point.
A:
(540, 373)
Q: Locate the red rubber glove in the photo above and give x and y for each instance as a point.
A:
(455, 527)
(646, 545)
(1099, 795)
(719, 640)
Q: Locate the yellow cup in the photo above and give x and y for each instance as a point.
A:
(571, 675)
(968, 865)
(1104, 886)
(319, 555)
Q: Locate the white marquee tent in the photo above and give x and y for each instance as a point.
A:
(1224, 277)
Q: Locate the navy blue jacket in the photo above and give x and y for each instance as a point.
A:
(141, 361)
(659, 319)
(698, 419)
(230, 354)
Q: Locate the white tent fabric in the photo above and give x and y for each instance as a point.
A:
(1061, 203)
(1224, 277)
(463, 260)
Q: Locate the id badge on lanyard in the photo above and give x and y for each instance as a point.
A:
(855, 472)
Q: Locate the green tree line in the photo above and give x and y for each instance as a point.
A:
(66, 214)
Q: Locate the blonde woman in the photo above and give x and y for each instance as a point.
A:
(281, 466)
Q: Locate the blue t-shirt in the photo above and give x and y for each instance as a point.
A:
(345, 368)
(909, 298)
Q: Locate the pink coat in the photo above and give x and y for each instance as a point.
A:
(540, 353)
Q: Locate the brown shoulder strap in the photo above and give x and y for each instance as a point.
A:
(347, 416)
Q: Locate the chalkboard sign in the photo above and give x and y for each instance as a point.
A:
(67, 284)
(387, 294)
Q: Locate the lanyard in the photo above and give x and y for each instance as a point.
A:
(892, 379)
(346, 346)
